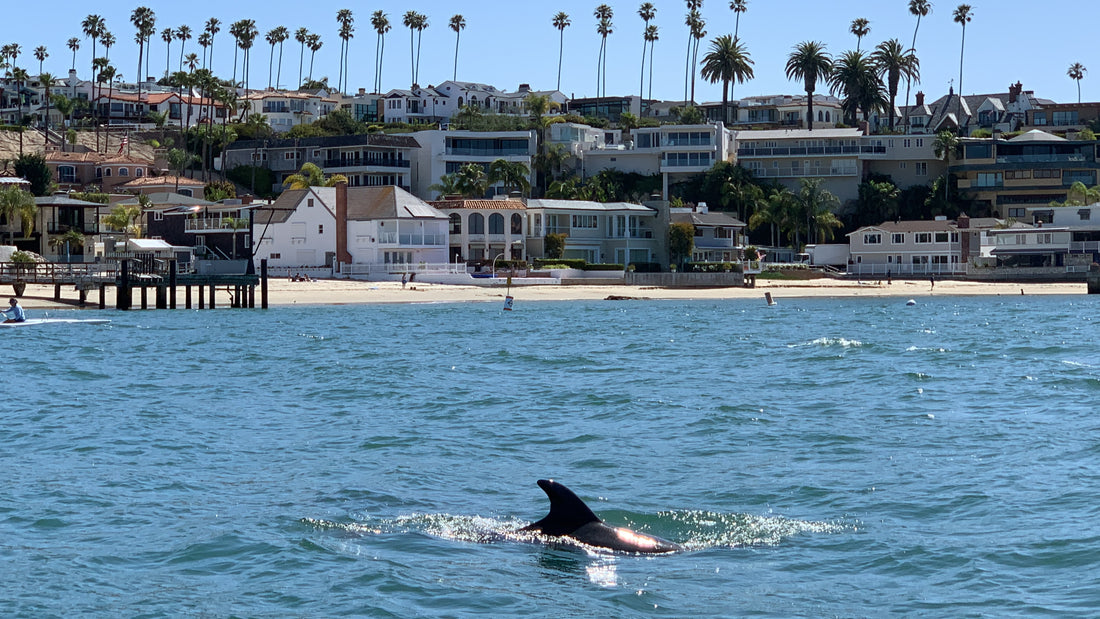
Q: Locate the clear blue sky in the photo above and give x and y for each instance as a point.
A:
(506, 43)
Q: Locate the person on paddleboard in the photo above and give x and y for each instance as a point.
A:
(14, 313)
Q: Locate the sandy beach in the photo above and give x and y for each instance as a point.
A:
(283, 292)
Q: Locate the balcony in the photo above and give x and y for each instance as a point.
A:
(804, 151)
(806, 172)
(1074, 158)
(206, 225)
(367, 163)
(57, 228)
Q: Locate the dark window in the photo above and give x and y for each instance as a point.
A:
(477, 223)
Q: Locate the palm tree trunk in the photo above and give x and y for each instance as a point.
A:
(412, 57)
(962, 51)
(909, 80)
(561, 52)
(641, 87)
(810, 109)
(599, 68)
(270, 64)
(167, 58)
(279, 72)
(687, 70)
(458, 36)
(312, 54)
(651, 46)
(301, 61)
(419, 39)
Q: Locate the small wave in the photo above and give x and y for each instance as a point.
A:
(829, 342)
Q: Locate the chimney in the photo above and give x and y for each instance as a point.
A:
(247, 199)
(342, 254)
(963, 224)
(865, 127)
(362, 91)
(920, 98)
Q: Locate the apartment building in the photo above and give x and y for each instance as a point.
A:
(445, 152)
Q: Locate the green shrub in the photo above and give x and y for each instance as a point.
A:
(558, 263)
(602, 267)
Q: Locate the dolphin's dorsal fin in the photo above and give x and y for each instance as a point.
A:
(567, 512)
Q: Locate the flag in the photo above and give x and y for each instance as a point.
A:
(123, 144)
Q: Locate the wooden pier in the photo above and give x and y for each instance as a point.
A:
(199, 291)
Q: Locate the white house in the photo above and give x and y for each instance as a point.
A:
(298, 230)
(445, 152)
(921, 247)
(388, 228)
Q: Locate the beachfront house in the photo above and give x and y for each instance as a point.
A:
(600, 233)
(59, 215)
(298, 230)
(481, 230)
(383, 230)
(718, 236)
(219, 231)
(903, 248)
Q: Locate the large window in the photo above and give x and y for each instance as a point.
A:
(477, 223)
(1062, 119)
(872, 239)
(587, 222)
(517, 224)
(496, 223)
(456, 224)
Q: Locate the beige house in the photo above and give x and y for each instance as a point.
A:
(905, 248)
(483, 229)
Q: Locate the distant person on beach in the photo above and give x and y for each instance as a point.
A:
(404, 279)
(14, 313)
(889, 277)
(932, 279)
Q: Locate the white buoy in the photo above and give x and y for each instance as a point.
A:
(910, 302)
(768, 297)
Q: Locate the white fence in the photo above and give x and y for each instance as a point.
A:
(366, 270)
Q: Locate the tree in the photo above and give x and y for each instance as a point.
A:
(962, 16)
(647, 12)
(416, 23)
(512, 174)
(14, 200)
(652, 35)
(167, 35)
(235, 224)
(854, 78)
(381, 24)
(144, 21)
(1081, 195)
(691, 21)
(777, 211)
(944, 147)
(347, 32)
(681, 241)
(809, 63)
(314, 43)
(698, 33)
(72, 241)
(860, 28)
(213, 27)
(74, 44)
(33, 168)
(178, 161)
(41, 55)
(471, 181)
(312, 176)
(894, 63)
(126, 218)
(458, 24)
(561, 22)
(878, 202)
(1077, 73)
(301, 35)
(93, 27)
(603, 15)
(918, 9)
(276, 36)
(64, 106)
(183, 34)
(555, 245)
(47, 80)
(817, 205)
(728, 62)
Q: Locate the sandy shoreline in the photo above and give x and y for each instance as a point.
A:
(282, 292)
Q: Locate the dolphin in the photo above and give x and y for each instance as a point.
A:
(570, 517)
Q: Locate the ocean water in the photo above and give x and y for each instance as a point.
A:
(849, 458)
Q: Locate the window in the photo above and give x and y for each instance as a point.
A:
(1085, 214)
(139, 172)
(107, 172)
(187, 192)
(477, 223)
(1047, 173)
(1017, 213)
(124, 171)
(66, 174)
(517, 224)
(587, 222)
(923, 237)
(903, 165)
(309, 202)
(496, 223)
(941, 237)
(897, 238)
(1017, 174)
(320, 228)
(922, 168)
(1039, 119)
(872, 239)
(290, 156)
(939, 259)
(907, 143)
(989, 179)
(275, 256)
(920, 142)
(455, 224)
(1063, 119)
(158, 215)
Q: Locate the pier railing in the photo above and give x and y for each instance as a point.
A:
(56, 273)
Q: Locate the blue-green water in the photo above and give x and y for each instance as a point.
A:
(819, 458)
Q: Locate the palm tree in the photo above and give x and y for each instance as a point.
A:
(458, 24)
(235, 30)
(108, 41)
(98, 65)
(64, 106)
(409, 20)
(777, 211)
(893, 62)
(727, 62)
(107, 76)
(183, 33)
(1077, 73)
(347, 30)
(513, 175)
(311, 176)
(471, 181)
(861, 28)
(248, 33)
(167, 35)
(691, 21)
(651, 36)
(919, 9)
(205, 40)
(144, 21)
(381, 24)
(854, 78)
(47, 80)
(738, 7)
(274, 37)
(421, 25)
(213, 27)
(301, 35)
(74, 44)
(817, 205)
(13, 201)
(809, 63)
(561, 22)
(314, 43)
(944, 147)
(698, 34)
(962, 16)
(603, 13)
(647, 12)
(41, 54)
(93, 27)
